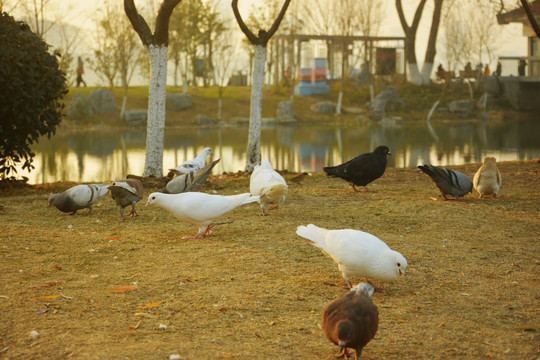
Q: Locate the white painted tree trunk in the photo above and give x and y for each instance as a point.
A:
(155, 131)
(220, 102)
(339, 102)
(255, 115)
(426, 73)
(414, 74)
(124, 102)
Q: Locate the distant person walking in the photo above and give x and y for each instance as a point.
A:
(80, 72)
(521, 67)
(499, 69)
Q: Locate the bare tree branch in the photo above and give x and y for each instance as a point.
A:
(252, 38)
(138, 22)
(276, 23)
(161, 35)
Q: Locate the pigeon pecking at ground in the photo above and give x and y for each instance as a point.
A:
(194, 164)
(78, 197)
(269, 185)
(449, 182)
(356, 253)
(192, 181)
(127, 192)
(351, 320)
(488, 180)
(363, 169)
(198, 208)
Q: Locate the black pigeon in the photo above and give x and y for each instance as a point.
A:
(363, 169)
(351, 320)
(449, 182)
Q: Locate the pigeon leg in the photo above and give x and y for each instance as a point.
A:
(358, 353)
(367, 190)
(73, 213)
(207, 231)
(376, 289)
(349, 286)
(89, 211)
(354, 188)
(344, 353)
(133, 212)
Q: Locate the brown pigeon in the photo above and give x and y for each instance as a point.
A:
(487, 180)
(127, 192)
(351, 320)
(363, 169)
(78, 197)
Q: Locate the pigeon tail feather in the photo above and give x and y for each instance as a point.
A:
(314, 234)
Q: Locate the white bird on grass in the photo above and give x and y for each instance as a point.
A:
(269, 185)
(488, 180)
(356, 253)
(78, 197)
(198, 208)
(194, 164)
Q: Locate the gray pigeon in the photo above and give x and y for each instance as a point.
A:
(127, 192)
(449, 182)
(351, 320)
(78, 197)
(192, 181)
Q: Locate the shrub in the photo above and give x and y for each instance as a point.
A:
(32, 85)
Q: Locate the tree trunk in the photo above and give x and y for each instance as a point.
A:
(254, 141)
(220, 102)
(432, 43)
(155, 133)
(410, 40)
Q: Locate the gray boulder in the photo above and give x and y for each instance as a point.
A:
(285, 112)
(80, 107)
(103, 101)
(135, 117)
(325, 107)
(385, 100)
(461, 107)
(178, 101)
(205, 120)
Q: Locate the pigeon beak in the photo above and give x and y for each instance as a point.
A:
(147, 203)
(401, 273)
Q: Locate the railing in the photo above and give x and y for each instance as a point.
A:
(528, 66)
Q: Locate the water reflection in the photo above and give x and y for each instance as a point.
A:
(95, 156)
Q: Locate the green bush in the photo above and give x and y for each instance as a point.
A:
(30, 94)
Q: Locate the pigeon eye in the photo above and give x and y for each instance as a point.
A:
(398, 264)
(153, 198)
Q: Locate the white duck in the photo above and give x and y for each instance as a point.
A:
(198, 208)
(269, 185)
(356, 253)
(194, 164)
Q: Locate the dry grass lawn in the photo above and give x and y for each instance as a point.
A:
(255, 290)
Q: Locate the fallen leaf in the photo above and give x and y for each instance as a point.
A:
(56, 235)
(50, 297)
(299, 298)
(53, 283)
(400, 320)
(113, 238)
(223, 309)
(381, 301)
(258, 335)
(528, 327)
(146, 315)
(226, 356)
(432, 198)
(121, 289)
(441, 325)
(131, 328)
(56, 267)
(413, 292)
(151, 305)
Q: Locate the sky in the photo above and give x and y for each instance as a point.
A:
(81, 13)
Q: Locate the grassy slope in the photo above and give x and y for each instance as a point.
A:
(254, 289)
(236, 103)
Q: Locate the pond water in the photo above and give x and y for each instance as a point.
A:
(100, 156)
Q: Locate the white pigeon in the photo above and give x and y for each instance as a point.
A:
(488, 180)
(194, 164)
(356, 253)
(78, 197)
(269, 185)
(198, 208)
